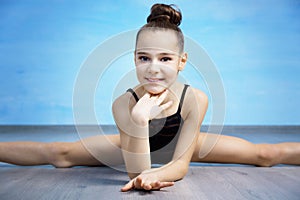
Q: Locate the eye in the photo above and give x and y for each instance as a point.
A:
(165, 59)
(144, 58)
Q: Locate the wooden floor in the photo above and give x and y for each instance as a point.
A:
(203, 181)
(105, 183)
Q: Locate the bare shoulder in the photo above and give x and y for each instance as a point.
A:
(200, 96)
(125, 100)
(121, 106)
(195, 95)
(196, 101)
(120, 101)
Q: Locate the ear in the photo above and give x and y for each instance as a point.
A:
(182, 62)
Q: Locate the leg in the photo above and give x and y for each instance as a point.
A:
(62, 154)
(228, 149)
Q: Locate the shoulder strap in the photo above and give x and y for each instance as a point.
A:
(182, 97)
(134, 94)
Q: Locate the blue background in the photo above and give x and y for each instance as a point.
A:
(254, 44)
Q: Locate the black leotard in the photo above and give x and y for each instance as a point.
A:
(164, 132)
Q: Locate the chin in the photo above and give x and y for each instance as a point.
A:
(154, 90)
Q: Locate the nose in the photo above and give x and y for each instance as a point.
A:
(153, 68)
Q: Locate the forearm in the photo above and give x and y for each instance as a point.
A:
(136, 152)
(173, 171)
(178, 167)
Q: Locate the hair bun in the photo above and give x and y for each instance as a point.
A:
(167, 13)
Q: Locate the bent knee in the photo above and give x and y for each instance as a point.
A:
(58, 154)
(268, 155)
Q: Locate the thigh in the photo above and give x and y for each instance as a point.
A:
(97, 150)
(224, 149)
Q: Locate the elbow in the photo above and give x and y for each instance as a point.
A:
(182, 170)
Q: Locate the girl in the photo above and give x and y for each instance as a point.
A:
(158, 120)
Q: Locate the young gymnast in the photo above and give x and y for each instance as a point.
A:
(158, 121)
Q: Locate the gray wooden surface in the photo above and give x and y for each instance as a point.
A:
(203, 181)
(38, 183)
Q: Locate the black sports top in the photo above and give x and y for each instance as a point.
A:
(164, 131)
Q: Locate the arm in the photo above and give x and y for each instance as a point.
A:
(178, 167)
(132, 121)
(134, 140)
(136, 152)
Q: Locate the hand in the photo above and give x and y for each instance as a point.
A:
(148, 107)
(145, 182)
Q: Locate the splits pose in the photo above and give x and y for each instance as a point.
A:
(158, 121)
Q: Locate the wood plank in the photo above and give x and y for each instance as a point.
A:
(203, 181)
(105, 183)
(263, 183)
(207, 183)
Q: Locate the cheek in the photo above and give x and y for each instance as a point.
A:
(171, 72)
(140, 73)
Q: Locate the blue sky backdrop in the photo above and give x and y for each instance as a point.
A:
(254, 44)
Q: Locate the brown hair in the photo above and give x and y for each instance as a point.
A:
(165, 17)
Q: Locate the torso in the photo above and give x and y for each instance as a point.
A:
(164, 131)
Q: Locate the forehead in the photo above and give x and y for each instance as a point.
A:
(162, 40)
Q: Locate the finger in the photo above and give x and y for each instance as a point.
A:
(162, 97)
(166, 105)
(155, 185)
(147, 185)
(128, 186)
(138, 183)
(166, 184)
(155, 111)
(147, 95)
(163, 185)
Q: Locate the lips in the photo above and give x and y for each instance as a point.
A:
(153, 80)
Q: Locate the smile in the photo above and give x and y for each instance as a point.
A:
(153, 80)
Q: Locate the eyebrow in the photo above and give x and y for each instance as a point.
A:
(141, 52)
